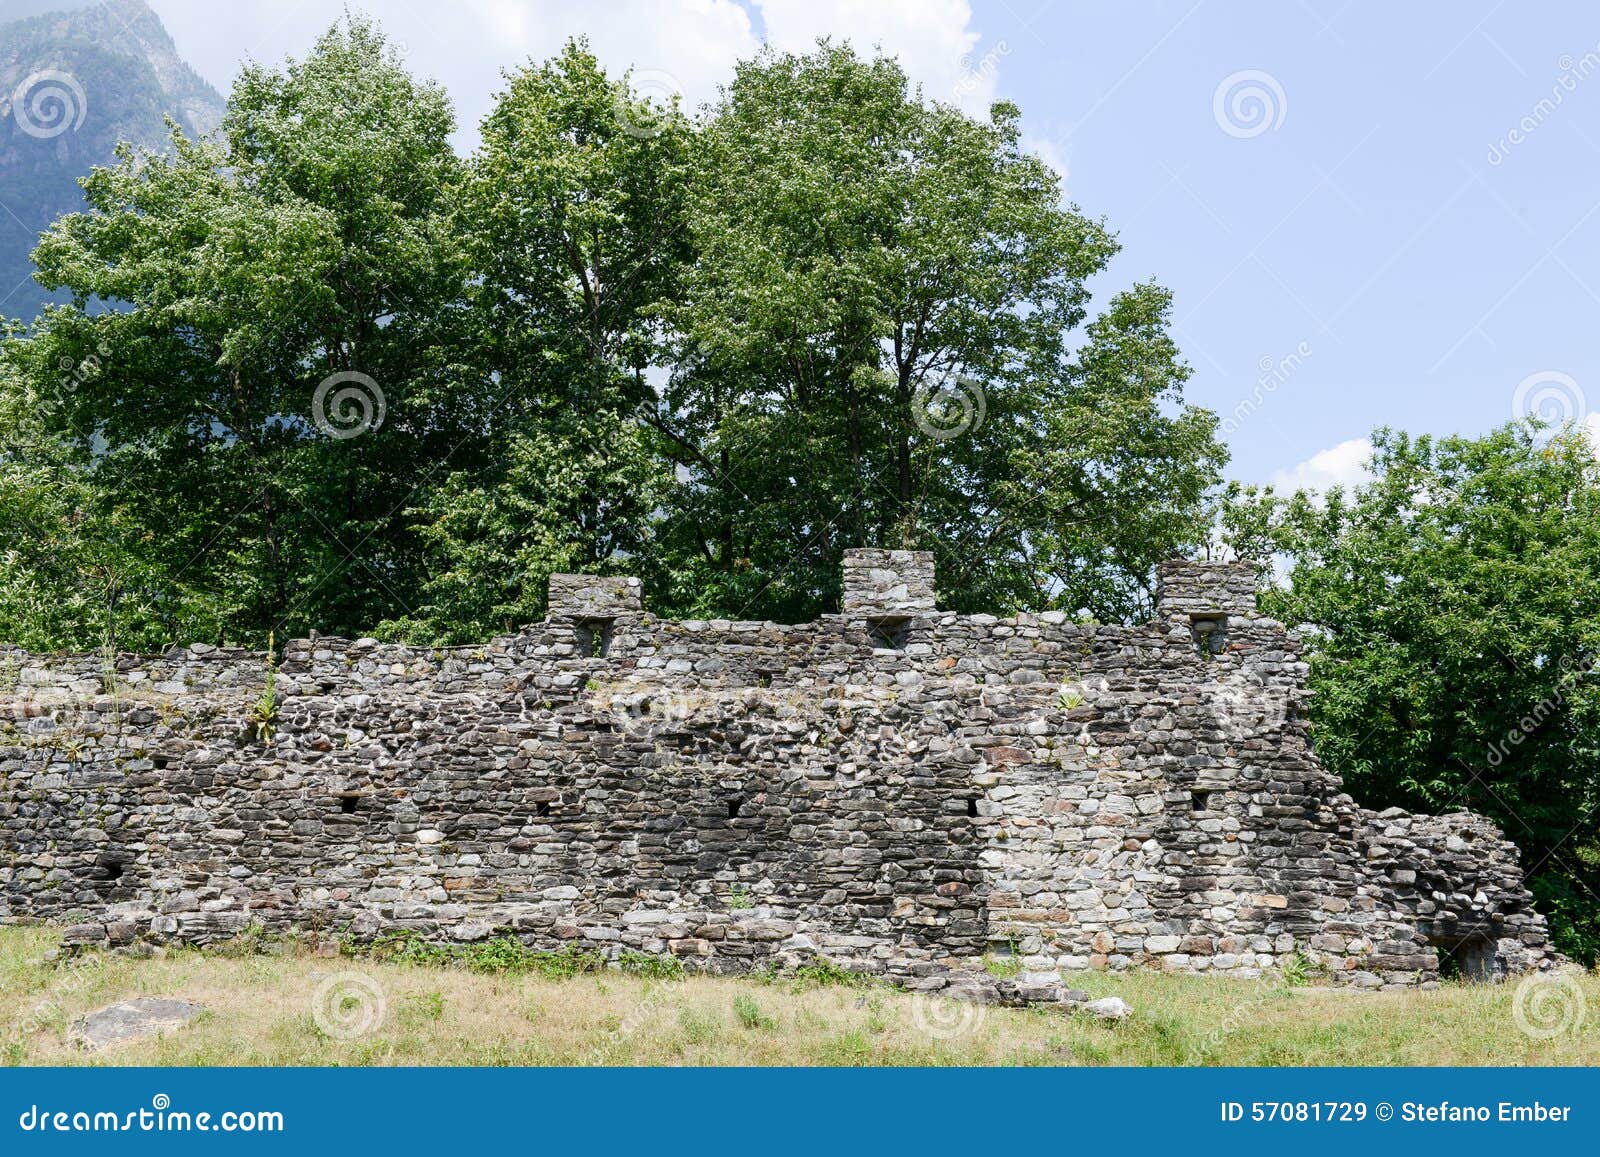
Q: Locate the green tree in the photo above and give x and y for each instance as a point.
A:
(572, 218)
(875, 345)
(1453, 610)
(309, 240)
(73, 571)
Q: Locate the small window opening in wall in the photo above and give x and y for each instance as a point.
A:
(889, 634)
(1200, 801)
(112, 869)
(594, 638)
(542, 807)
(972, 809)
(348, 803)
(735, 804)
(1210, 634)
(1470, 958)
(764, 679)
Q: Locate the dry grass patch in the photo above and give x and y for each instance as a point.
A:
(289, 1007)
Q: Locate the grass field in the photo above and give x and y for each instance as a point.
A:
(290, 1006)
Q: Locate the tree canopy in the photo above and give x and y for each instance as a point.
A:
(320, 372)
(1453, 607)
(348, 381)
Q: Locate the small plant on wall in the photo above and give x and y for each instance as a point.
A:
(264, 711)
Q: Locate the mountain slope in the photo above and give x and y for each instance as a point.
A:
(72, 84)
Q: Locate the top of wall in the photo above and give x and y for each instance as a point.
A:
(880, 587)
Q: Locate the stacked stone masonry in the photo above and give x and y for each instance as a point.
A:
(901, 790)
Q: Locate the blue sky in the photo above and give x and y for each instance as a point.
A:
(1404, 226)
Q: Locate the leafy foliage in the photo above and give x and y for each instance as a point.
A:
(1454, 607)
(859, 255)
(710, 352)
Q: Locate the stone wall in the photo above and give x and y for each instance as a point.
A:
(899, 789)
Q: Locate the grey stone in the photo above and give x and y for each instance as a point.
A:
(132, 1020)
(900, 789)
(1106, 1008)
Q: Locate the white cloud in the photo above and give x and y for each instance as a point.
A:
(1050, 153)
(933, 40)
(465, 46)
(1341, 465)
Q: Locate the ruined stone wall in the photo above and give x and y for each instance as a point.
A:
(896, 788)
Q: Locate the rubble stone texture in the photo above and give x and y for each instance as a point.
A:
(904, 791)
